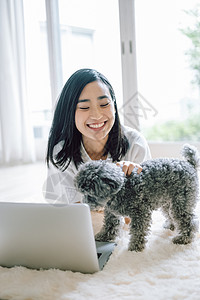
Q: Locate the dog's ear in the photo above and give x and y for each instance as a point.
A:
(99, 179)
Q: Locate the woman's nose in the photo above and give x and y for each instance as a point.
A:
(95, 113)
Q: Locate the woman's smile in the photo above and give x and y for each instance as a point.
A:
(97, 126)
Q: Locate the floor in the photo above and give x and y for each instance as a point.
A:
(22, 183)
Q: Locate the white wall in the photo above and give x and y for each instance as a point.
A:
(168, 149)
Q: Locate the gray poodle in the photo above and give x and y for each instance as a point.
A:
(169, 184)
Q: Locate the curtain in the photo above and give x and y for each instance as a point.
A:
(16, 135)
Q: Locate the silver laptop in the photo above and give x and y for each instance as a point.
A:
(47, 236)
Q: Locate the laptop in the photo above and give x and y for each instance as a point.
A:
(43, 236)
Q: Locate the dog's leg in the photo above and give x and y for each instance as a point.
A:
(139, 229)
(182, 210)
(187, 230)
(110, 228)
(169, 223)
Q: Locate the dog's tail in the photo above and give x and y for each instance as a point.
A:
(191, 154)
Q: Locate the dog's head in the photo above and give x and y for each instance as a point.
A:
(98, 181)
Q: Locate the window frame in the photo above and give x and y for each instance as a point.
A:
(54, 48)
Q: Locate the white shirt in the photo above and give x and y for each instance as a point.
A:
(59, 186)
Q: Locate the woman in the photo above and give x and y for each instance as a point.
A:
(86, 126)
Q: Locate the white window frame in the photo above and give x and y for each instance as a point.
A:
(128, 59)
(54, 48)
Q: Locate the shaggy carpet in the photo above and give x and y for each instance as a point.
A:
(162, 271)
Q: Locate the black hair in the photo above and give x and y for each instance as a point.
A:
(64, 130)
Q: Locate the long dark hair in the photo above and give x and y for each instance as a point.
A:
(64, 130)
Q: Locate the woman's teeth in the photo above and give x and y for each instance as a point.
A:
(96, 125)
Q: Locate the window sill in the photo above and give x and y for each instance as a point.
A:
(169, 149)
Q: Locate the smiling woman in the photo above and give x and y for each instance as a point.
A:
(78, 111)
(86, 126)
(94, 117)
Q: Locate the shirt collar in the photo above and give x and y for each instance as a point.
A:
(85, 156)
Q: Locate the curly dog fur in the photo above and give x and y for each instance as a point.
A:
(169, 184)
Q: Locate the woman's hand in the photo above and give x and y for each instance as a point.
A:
(129, 166)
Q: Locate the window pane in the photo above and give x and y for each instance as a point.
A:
(167, 82)
(90, 38)
(38, 79)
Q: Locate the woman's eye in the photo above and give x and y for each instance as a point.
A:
(83, 108)
(106, 104)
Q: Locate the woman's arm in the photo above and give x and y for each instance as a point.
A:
(137, 153)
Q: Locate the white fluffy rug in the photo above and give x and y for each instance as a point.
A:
(162, 271)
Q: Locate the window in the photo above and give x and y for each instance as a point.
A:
(89, 36)
(38, 78)
(164, 69)
(73, 56)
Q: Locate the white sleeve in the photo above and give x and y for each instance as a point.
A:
(59, 186)
(138, 148)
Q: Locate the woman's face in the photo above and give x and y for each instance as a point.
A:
(95, 112)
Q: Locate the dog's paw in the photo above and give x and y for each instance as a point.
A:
(136, 247)
(182, 239)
